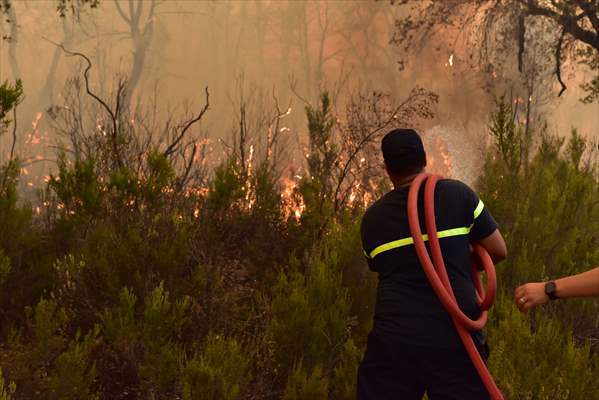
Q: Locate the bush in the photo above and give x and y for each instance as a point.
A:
(73, 375)
(124, 244)
(6, 391)
(300, 386)
(50, 322)
(346, 372)
(162, 322)
(5, 267)
(217, 372)
(119, 322)
(543, 192)
(537, 358)
(310, 313)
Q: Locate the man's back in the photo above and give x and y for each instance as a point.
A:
(407, 309)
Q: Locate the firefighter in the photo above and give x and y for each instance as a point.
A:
(413, 347)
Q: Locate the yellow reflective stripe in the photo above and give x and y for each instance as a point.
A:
(408, 241)
(394, 245)
(453, 232)
(479, 209)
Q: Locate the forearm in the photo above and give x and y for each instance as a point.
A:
(582, 285)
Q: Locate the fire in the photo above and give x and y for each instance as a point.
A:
(36, 121)
(285, 113)
(293, 204)
(250, 200)
(438, 158)
(446, 158)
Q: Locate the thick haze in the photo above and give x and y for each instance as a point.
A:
(260, 49)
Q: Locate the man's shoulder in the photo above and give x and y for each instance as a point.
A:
(453, 184)
(377, 208)
(454, 188)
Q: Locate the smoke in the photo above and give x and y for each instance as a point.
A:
(283, 51)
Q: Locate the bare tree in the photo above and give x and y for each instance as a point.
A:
(13, 38)
(141, 28)
(119, 138)
(366, 119)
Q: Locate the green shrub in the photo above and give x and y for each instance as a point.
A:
(538, 358)
(227, 187)
(346, 372)
(73, 374)
(163, 319)
(300, 386)
(78, 188)
(50, 321)
(543, 191)
(310, 312)
(316, 189)
(6, 390)
(217, 372)
(160, 368)
(547, 210)
(10, 97)
(5, 267)
(119, 322)
(162, 322)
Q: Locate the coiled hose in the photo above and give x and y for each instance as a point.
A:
(437, 275)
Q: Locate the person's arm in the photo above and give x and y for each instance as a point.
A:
(495, 246)
(585, 284)
(484, 230)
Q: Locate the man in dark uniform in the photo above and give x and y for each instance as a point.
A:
(414, 347)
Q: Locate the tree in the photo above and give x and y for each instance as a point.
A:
(10, 97)
(494, 31)
(141, 30)
(63, 7)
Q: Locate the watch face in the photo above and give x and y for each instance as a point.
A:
(550, 290)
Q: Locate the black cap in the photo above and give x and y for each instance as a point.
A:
(403, 150)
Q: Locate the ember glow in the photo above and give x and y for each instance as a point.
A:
(293, 203)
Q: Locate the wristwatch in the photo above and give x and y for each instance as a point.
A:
(550, 290)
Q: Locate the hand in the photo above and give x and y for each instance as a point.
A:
(530, 295)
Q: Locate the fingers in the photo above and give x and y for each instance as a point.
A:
(523, 297)
(520, 297)
(521, 303)
(530, 295)
(519, 292)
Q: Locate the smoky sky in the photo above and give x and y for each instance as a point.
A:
(262, 50)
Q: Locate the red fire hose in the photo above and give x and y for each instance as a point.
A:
(437, 275)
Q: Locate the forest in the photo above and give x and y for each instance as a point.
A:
(157, 247)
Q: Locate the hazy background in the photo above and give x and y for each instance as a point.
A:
(269, 52)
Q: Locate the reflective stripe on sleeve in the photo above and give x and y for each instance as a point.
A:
(479, 209)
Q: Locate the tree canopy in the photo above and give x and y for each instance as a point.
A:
(499, 32)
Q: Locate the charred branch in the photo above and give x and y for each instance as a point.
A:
(14, 134)
(114, 114)
(521, 40)
(173, 146)
(569, 21)
(558, 62)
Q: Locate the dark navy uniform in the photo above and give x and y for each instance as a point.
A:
(414, 347)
